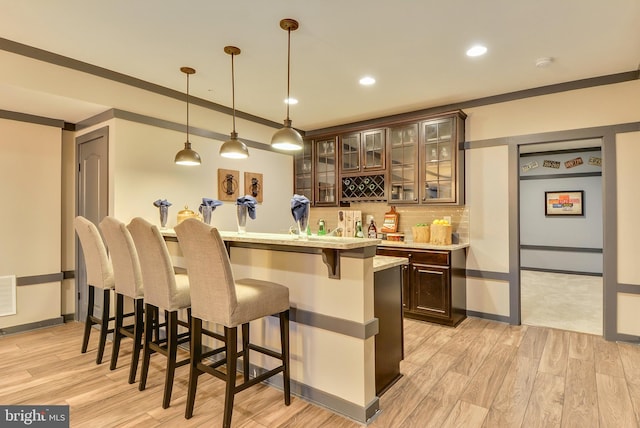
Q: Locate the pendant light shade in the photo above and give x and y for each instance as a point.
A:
(287, 138)
(233, 148)
(187, 156)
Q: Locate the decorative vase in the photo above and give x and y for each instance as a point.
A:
(206, 213)
(164, 214)
(241, 211)
(303, 222)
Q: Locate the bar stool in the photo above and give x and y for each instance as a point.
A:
(126, 270)
(99, 275)
(163, 289)
(216, 297)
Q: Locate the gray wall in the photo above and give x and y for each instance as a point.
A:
(571, 243)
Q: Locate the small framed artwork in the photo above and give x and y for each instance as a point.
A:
(253, 185)
(228, 184)
(564, 203)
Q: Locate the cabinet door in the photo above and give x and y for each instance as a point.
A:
(439, 151)
(350, 152)
(303, 171)
(431, 286)
(403, 164)
(325, 172)
(373, 149)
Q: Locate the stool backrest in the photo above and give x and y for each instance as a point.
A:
(124, 257)
(155, 264)
(99, 270)
(213, 290)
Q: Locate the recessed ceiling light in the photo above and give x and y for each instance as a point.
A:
(477, 50)
(291, 101)
(367, 81)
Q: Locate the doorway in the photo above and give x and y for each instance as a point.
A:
(561, 235)
(92, 184)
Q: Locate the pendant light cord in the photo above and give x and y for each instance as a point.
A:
(288, 69)
(233, 93)
(187, 107)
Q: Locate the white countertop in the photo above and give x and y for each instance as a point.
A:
(313, 241)
(409, 244)
(387, 262)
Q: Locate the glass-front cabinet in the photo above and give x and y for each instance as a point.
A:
(442, 161)
(417, 160)
(403, 163)
(363, 151)
(326, 172)
(303, 171)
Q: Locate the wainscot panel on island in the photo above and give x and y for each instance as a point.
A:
(334, 319)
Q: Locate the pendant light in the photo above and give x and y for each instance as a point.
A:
(187, 156)
(287, 138)
(233, 148)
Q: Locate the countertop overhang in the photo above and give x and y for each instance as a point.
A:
(281, 239)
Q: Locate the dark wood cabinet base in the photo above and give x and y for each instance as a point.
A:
(435, 288)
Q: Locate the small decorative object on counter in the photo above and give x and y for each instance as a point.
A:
(390, 224)
(395, 237)
(321, 228)
(245, 205)
(207, 207)
(163, 205)
(372, 232)
(300, 213)
(185, 214)
(359, 232)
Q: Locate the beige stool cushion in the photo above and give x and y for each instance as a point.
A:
(162, 287)
(99, 269)
(124, 257)
(215, 295)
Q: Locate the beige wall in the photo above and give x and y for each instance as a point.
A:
(30, 168)
(628, 204)
(143, 171)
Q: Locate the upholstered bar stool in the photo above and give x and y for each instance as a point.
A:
(163, 289)
(126, 270)
(216, 297)
(99, 275)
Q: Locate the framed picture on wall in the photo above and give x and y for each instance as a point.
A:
(565, 202)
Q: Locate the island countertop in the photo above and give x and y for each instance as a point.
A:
(313, 241)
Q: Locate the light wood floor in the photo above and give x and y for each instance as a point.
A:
(481, 374)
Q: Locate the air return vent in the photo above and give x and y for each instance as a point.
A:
(7, 295)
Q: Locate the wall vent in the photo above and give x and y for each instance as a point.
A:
(7, 295)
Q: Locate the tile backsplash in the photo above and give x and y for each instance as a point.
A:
(410, 215)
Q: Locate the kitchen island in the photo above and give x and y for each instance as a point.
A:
(333, 317)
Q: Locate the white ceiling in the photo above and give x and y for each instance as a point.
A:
(414, 48)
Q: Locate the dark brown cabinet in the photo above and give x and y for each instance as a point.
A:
(417, 160)
(434, 284)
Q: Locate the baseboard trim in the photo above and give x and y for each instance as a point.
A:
(31, 326)
(487, 316)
